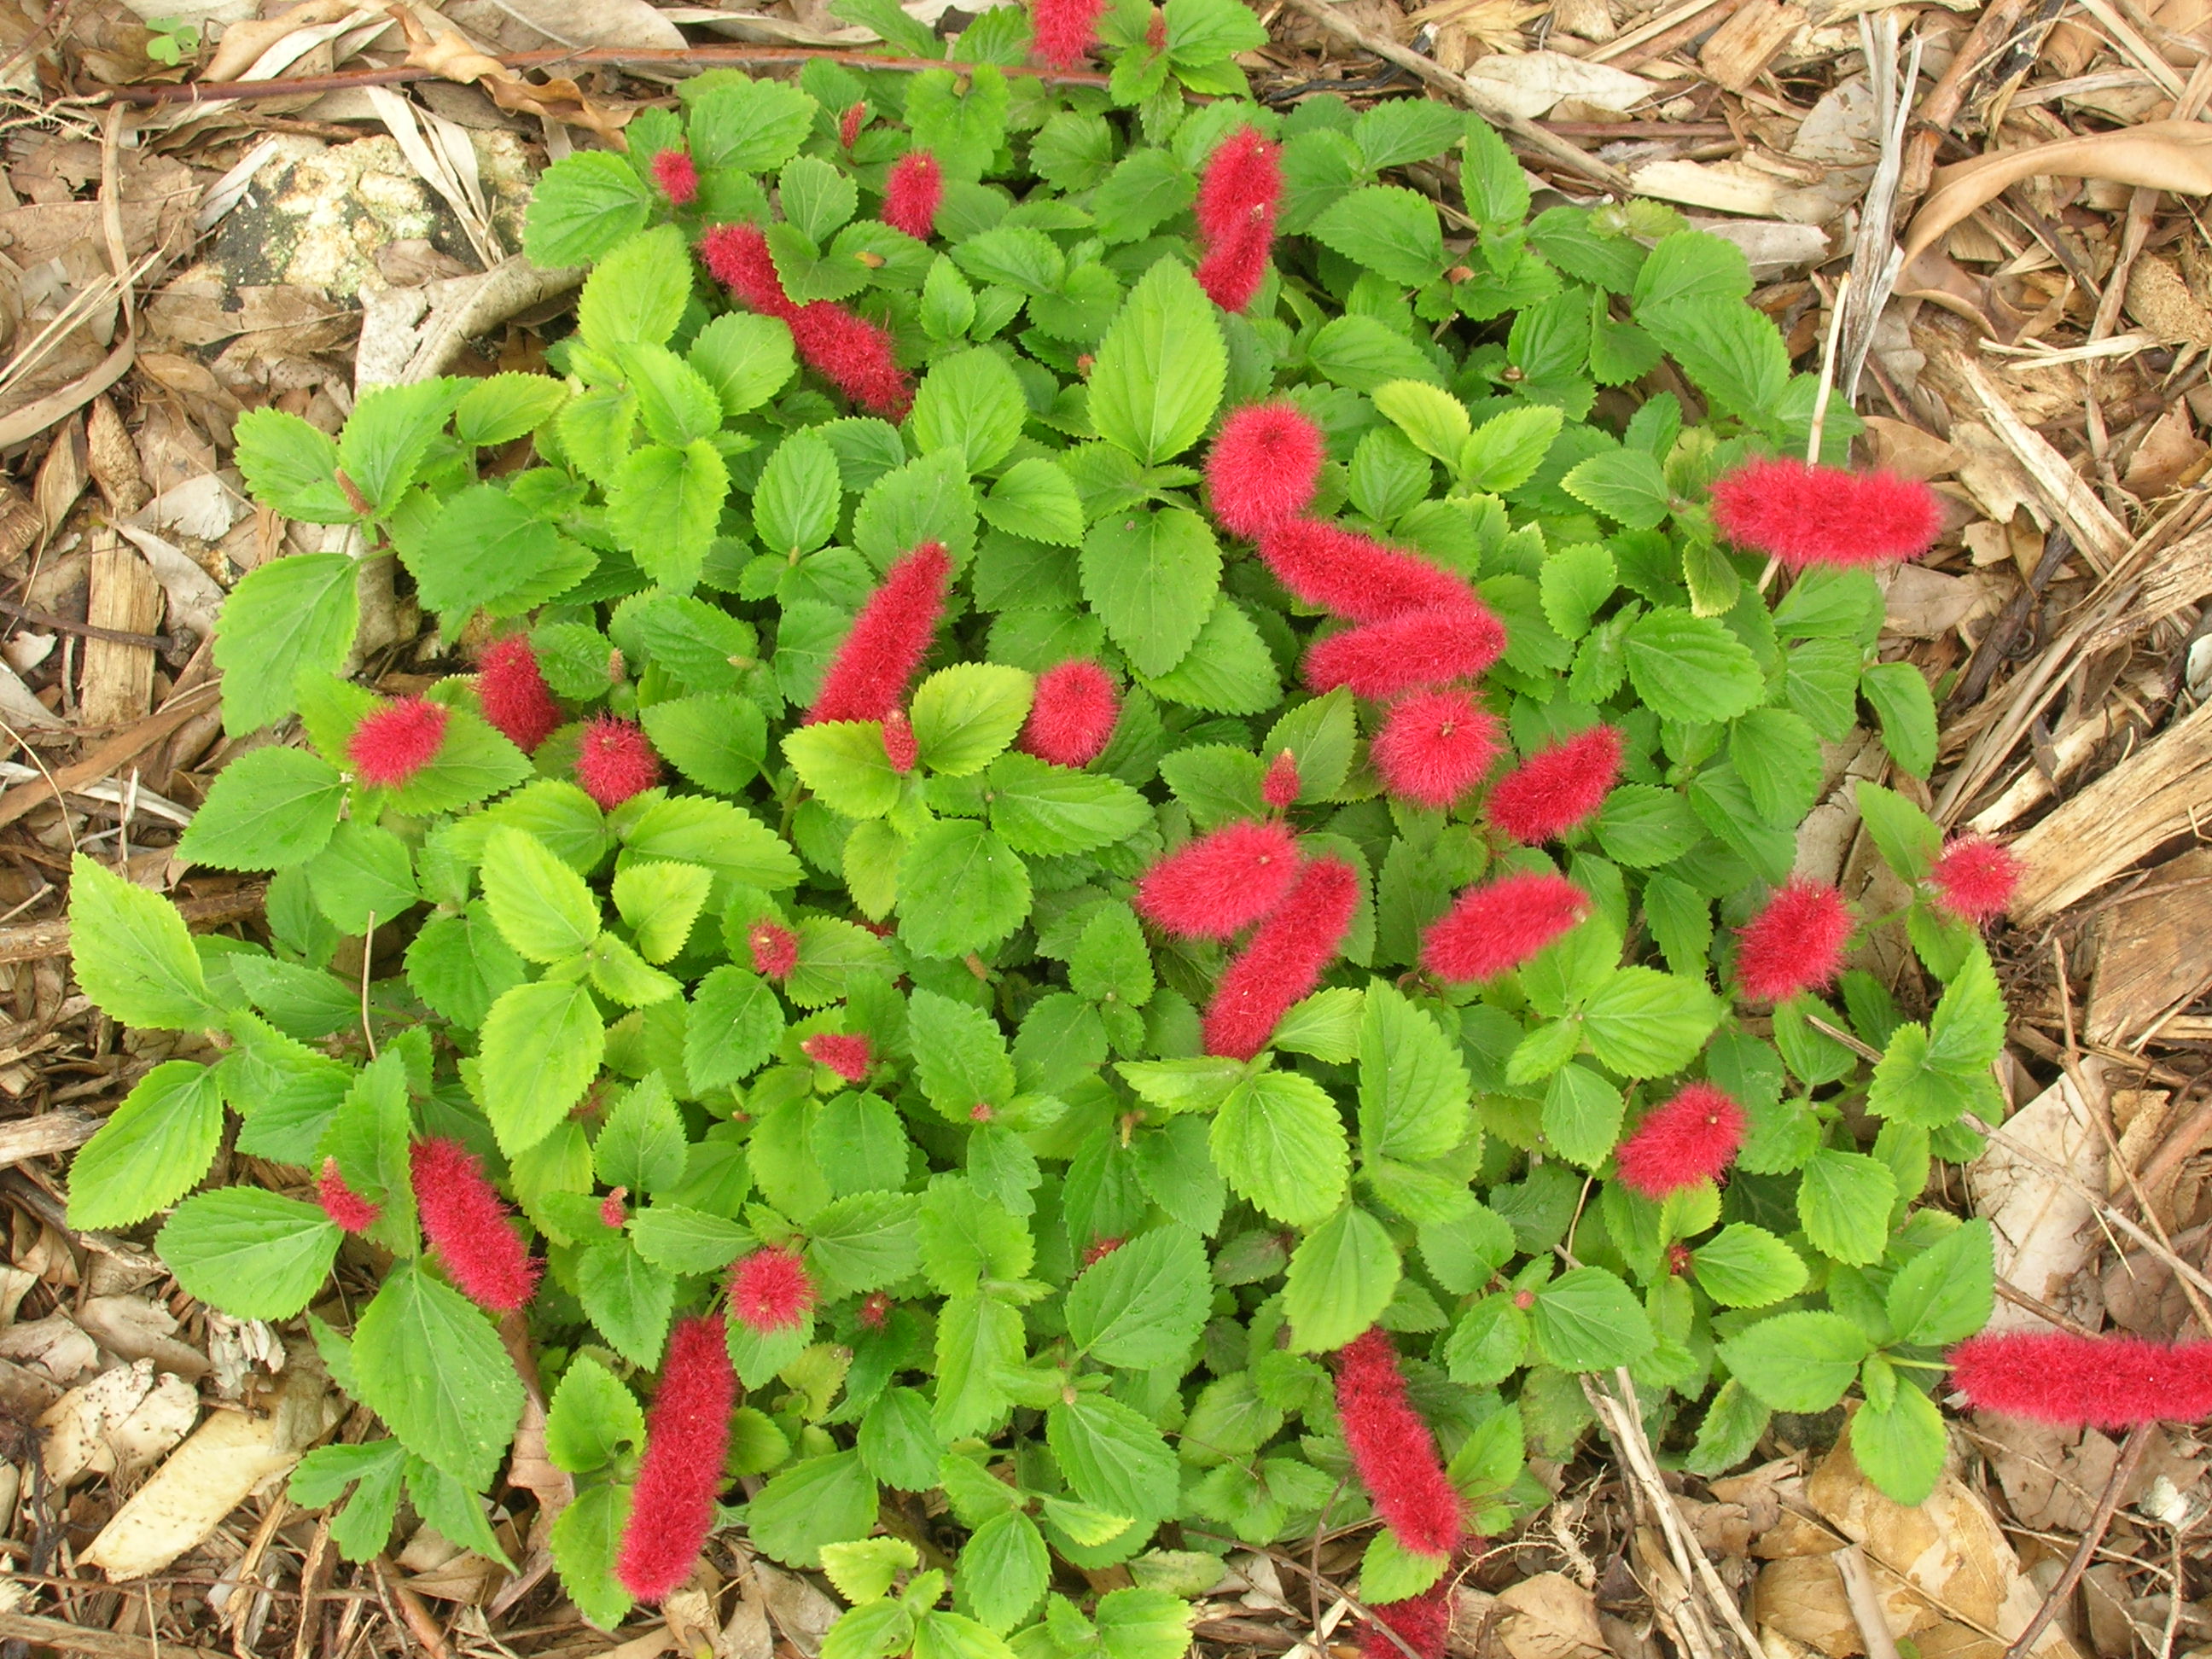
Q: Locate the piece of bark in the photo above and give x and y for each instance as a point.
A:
(2154, 795)
(1741, 48)
(126, 596)
(2150, 959)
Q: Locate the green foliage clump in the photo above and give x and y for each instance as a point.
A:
(1051, 1241)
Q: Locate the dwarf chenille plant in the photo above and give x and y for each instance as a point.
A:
(1103, 868)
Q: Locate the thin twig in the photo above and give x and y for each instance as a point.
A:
(88, 630)
(1865, 1603)
(2131, 1456)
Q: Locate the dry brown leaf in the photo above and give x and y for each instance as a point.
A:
(2156, 156)
(1949, 1554)
(1548, 1617)
(122, 1420)
(206, 1477)
(2044, 1230)
(447, 55)
(2160, 298)
(243, 43)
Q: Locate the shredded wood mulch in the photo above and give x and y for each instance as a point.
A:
(1988, 223)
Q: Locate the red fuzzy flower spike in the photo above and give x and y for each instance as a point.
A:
(774, 949)
(345, 1207)
(468, 1225)
(2095, 1381)
(1975, 877)
(1379, 660)
(913, 194)
(1284, 961)
(1692, 1137)
(1435, 746)
(1502, 924)
(1392, 1449)
(849, 123)
(687, 1437)
(848, 1056)
(1236, 264)
(678, 175)
(868, 678)
(1423, 1622)
(1263, 469)
(854, 356)
(1347, 573)
(1243, 182)
(1557, 789)
(1795, 944)
(513, 691)
(1804, 514)
(1280, 788)
(615, 761)
(769, 1291)
(1237, 196)
(1221, 882)
(397, 740)
(1065, 31)
(737, 257)
(1073, 713)
(614, 1211)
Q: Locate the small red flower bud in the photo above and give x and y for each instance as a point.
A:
(774, 949)
(848, 124)
(1279, 788)
(687, 1437)
(1502, 924)
(1558, 788)
(1975, 878)
(513, 694)
(615, 760)
(1679, 1259)
(1524, 1300)
(901, 747)
(396, 740)
(1804, 514)
(876, 1309)
(1263, 468)
(770, 1292)
(345, 1207)
(913, 193)
(981, 1112)
(1221, 882)
(1393, 1450)
(613, 1213)
(1692, 1137)
(1099, 1248)
(469, 1227)
(848, 1056)
(1155, 32)
(678, 176)
(1795, 944)
(1073, 713)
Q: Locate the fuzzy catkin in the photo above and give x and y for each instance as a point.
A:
(687, 1438)
(1284, 961)
(1393, 1450)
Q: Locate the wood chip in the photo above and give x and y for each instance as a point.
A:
(2094, 530)
(1739, 50)
(2154, 795)
(2149, 959)
(119, 678)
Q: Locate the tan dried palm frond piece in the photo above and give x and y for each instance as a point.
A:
(1485, 25)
